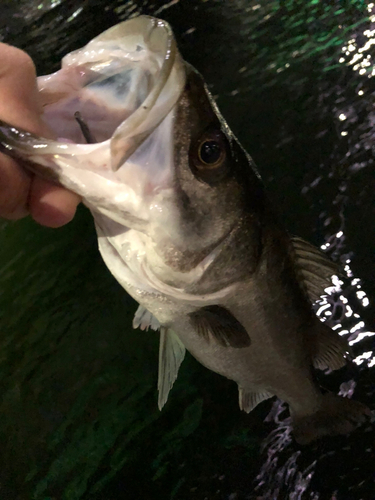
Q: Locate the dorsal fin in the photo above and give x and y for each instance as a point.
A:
(330, 350)
(314, 269)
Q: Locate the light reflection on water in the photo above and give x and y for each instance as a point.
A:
(336, 307)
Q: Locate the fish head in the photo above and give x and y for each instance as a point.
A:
(216, 188)
(160, 159)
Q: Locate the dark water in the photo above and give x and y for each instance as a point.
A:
(79, 419)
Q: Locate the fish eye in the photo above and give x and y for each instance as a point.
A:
(209, 156)
(210, 153)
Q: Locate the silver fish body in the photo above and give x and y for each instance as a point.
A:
(184, 223)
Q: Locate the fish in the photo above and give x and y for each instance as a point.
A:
(185, 226)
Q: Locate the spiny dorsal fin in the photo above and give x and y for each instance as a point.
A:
(217, 323)
(248, 400)
(313, 268)
(144, 320)
(331, 350)
(171, 354)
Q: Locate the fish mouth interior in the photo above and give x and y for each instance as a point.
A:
(102, 103)
(115, 78)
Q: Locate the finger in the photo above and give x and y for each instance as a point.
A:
(14, 189)
(20, 105)
(17, 78)
(51, 205)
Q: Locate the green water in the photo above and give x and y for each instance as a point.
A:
(77, 381)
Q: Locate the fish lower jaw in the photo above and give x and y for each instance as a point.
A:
(126, 220)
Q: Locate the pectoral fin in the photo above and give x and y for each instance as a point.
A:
(171, 355)
(217, 323)
(248, 400)
(313, 267)
(144, 320)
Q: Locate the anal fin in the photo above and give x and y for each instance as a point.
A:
(248, 400)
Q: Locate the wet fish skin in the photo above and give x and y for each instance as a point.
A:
(202, 250)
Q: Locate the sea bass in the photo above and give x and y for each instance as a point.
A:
(184, 223)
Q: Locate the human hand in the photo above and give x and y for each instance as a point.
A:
(22, 193)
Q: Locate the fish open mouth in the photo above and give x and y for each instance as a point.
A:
(110, 108)
(117, 89)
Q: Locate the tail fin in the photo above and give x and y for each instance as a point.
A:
(336, 415)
